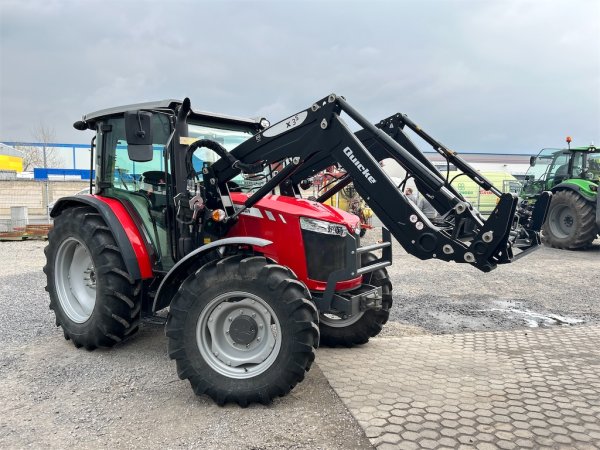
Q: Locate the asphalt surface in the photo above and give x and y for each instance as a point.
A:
(548, 287)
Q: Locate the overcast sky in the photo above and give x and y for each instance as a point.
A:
(494, 76)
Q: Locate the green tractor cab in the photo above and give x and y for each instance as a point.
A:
(573, 175)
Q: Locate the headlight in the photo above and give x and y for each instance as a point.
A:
(265, 123)
(320, 226)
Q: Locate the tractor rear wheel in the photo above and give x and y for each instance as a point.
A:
(94, 299)
(242, 330)
(571, 222)
(365, 325)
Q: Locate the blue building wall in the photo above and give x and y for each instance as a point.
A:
(42, 174)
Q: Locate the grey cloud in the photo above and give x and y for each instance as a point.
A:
(482, 75)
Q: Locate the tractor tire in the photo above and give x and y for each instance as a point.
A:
(358, 330)
(94, 299)
(571, 222)
(242, 330)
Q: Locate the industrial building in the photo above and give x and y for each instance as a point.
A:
(11, 159)
(77, 156)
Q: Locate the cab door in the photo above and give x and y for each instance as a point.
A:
(143, 187)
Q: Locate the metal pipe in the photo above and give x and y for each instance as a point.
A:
(341, 184)
(373, 267)
(369, 248)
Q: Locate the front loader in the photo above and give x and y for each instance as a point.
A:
(202, 214)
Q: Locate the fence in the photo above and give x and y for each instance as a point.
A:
(35, 198)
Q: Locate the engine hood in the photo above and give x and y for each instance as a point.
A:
(300, 207)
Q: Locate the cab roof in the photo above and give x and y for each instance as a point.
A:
(589, 148)
(171, 105)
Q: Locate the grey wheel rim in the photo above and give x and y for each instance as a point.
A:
(562, 221)
(238, 335)
(75, 280)
(339, 322)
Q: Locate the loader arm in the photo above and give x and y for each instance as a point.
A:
(394, 126)
(318, 134)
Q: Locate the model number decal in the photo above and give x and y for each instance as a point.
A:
(284, 125)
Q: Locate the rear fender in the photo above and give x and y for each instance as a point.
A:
(128, 237)
(193, 261)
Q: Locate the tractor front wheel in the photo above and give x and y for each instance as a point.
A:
(93, 297)
(571, 222)
(242, 330)
(359, 329)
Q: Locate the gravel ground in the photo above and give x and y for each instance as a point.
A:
(548, 287)
(53, 395)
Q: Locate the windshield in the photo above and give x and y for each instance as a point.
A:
(228, 139)
(542, 161)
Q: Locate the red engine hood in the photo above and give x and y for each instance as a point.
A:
(300, 207)
(276, 218)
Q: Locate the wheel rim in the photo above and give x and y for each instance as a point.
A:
(239, 335)
(562, 221)
(339, 322)
(75, 280)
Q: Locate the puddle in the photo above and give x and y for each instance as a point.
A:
(532, 319)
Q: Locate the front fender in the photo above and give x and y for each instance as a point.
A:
(180, 271)
(582, 187)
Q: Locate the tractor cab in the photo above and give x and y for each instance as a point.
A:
(139, 161)
(552, 167)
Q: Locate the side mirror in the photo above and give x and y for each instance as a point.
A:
(138, 131)
(532, 161)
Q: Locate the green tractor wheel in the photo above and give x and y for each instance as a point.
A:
(571, 222)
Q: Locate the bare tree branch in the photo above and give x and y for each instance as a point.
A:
(34, 156)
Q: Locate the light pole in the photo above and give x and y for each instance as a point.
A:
(47, 185)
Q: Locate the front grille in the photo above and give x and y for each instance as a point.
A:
(324, 254)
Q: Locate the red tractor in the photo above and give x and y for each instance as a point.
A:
(188, 214)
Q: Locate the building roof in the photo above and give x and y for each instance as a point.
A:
(10, 151)
(498, 158)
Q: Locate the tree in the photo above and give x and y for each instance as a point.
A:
(33, 156)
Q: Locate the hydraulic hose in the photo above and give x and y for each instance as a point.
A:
(223, 153)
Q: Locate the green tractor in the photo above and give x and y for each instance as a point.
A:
(573, 175)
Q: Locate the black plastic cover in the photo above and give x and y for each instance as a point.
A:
(324, 254)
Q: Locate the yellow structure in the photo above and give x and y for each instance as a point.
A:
(10, 158)
(11, 163)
